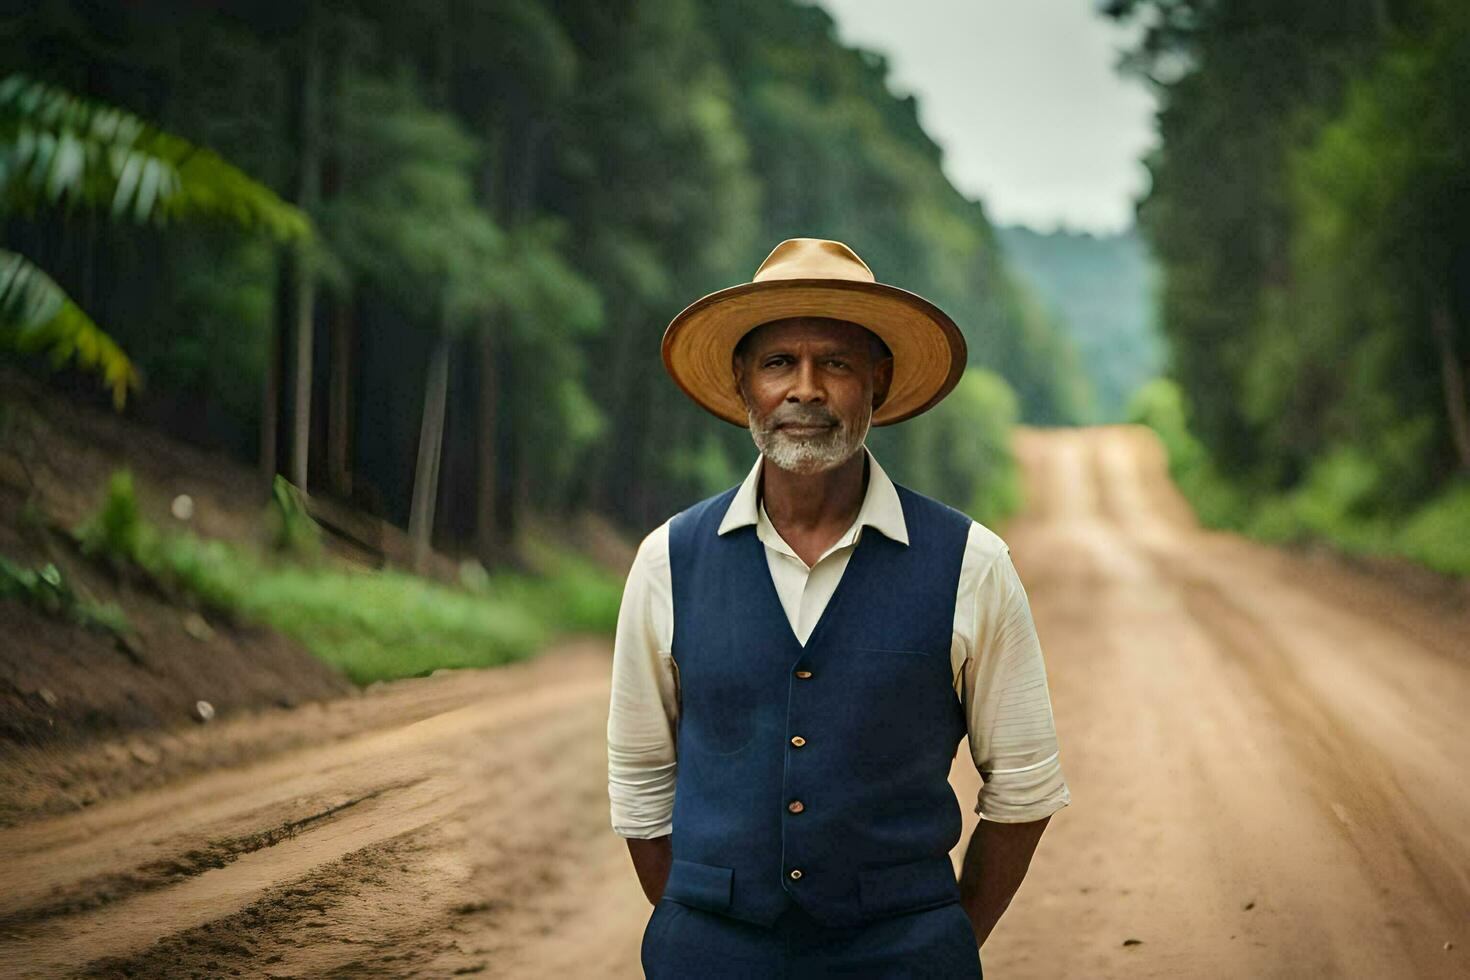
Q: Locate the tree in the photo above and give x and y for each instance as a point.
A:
(406, 223)
(309, 87)
(1381, 252)
(624, 157)
(521, 51)
(1240, 86)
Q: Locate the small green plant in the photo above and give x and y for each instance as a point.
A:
(47, 589)
(295, 532)
(31, 516)
(117, 530)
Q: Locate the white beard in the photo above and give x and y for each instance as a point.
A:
(809, 454)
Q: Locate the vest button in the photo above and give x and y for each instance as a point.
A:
(804, 674)
(796, 806)
(795, 873)
(798, 741)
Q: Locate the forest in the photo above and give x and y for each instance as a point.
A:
(508, 201)
(410, 270)
(1100, 290)
(1310, 212)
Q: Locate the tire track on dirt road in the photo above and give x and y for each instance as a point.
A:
(36, 898)
(407, 784)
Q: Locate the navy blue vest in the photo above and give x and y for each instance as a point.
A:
(816, 774)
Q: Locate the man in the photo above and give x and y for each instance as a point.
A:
(798, 657)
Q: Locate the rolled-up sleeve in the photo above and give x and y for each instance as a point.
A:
(643, 713)
(1008, 707)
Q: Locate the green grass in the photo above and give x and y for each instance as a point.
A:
(378, 625)
(1438, 534)
(1335, 503)
(373, 625)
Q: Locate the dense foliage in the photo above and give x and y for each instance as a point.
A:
(514, 197)
(59, 151)
(1311, 211)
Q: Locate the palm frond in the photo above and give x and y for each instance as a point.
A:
(37, 316)
(57, 148)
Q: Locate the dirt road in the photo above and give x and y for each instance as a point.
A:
(1267, 756)
(1267, 753)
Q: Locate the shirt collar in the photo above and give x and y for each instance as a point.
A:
(880, 508)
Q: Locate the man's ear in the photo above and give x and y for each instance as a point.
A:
(882, 378)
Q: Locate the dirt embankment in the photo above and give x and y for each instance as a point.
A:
(60, 682)
(1265, 754)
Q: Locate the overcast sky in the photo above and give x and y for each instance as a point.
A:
(1023, 97)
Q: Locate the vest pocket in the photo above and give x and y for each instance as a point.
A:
(926, 883)
(704, 886)
(905, 652)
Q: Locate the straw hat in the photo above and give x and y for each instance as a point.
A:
(815, 277)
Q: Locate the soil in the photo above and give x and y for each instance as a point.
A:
(60, 681)
(1265, 751)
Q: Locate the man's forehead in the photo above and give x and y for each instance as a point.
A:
(809, 329)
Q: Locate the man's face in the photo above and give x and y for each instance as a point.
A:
(810, 386)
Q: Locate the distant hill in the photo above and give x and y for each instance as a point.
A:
(1098, 288)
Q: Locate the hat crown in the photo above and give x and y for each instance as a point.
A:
(813, 258)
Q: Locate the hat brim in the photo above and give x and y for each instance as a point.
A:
(929, 351)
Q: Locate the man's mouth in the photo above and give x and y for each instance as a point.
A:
(802, 428)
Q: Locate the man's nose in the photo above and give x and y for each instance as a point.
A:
(806, 386)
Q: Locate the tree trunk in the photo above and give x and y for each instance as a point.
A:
(487, 530)
(522, 494)
(615, 467)
(270, 399)
(307, 192)
(1382, 18)
(339, 402)
(1452, 378)
(431, 439)
(520, 186)
(301, 402)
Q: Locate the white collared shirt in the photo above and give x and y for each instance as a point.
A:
(995, 658)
